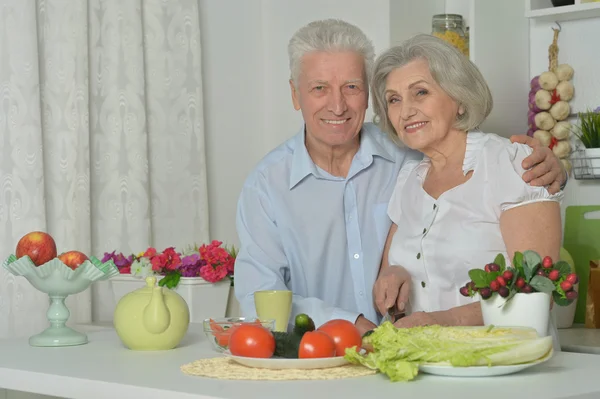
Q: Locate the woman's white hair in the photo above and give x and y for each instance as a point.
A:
(329, 35)
(454, 72)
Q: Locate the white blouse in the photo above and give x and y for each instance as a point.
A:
(439, 241)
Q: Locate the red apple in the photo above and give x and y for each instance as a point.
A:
(73, 258)
(40, 247)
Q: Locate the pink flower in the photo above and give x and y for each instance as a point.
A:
(217, 258)
(150, 252)
(168, 260)
(172, 259)
(156, 263)
(212, 275)
(230, 264)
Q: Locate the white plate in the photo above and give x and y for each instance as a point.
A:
(275, 363)
(479, 371)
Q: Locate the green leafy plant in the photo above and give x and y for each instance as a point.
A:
(588, 130)
(529, 273)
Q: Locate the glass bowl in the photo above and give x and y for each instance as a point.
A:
(218, 330)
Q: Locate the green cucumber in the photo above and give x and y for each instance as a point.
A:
(286, 344)
(303, 323)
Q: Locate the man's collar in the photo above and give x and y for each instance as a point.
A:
(370, 146)
(303, 165)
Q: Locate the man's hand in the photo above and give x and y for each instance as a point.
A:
(363, 325)
(546, 168)
(391, 288)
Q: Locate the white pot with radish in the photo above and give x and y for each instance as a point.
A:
(522, 310)
(521, 294)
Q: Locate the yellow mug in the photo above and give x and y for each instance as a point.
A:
(276, 305)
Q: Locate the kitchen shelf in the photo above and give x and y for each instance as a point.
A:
(542, 10)
(585, 167)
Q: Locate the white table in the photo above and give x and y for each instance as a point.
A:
(105, 369)
(580, 339)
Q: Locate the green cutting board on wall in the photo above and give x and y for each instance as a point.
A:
(582, 241)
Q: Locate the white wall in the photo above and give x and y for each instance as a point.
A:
(578, 47)
(502, 60)
(409, 17)
(248, 109)
(233, 79)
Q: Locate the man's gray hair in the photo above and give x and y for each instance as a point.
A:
(454, 72)
(329, 35)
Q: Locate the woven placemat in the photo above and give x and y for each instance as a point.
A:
(226, 369)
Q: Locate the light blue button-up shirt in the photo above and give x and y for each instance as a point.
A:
(318, 235)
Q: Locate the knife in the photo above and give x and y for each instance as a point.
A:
(392, 315)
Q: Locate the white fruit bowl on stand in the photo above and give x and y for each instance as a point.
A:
(59, 281)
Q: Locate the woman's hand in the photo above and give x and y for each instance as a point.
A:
(419, 319)
(391, 288)
(464, 315)
(543, 167)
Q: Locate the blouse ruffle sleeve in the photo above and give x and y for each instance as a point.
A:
(508, 186)
(394, 206)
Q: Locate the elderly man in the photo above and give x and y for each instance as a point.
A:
(312, 216)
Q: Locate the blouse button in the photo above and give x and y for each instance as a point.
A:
(423, 284)
(434, 206)
(419, 255)
(424, 231)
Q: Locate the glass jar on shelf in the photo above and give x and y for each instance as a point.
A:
(450, 28)
(467, 41)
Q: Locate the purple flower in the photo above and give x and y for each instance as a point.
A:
(190, 265)
(108, 256)
(120, 260)
(597, 110)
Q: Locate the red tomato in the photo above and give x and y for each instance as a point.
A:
(316, 344)
(251, 340)
(344, 334)
(222, 334)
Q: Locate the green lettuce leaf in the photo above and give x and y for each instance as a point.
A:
(395, 369)
(399, 352)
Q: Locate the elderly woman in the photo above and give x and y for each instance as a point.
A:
(465, 202)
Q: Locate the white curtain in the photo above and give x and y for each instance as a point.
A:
(101, 135)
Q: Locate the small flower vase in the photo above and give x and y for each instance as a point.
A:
(522, 310)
